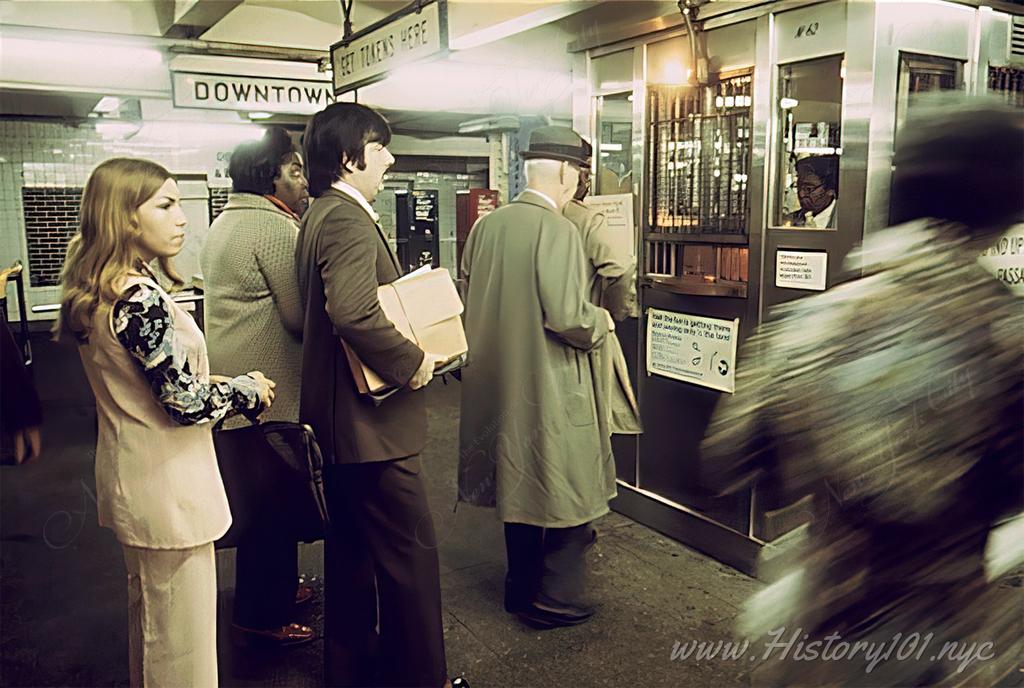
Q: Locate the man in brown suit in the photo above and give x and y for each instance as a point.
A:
(380, 557)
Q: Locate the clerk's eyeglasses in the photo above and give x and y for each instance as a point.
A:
(808, 185)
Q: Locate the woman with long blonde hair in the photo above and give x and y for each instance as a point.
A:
(157, 483)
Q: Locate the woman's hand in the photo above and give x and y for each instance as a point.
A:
(266, 389)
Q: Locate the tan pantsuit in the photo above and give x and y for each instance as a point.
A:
(159, 489)
(172, 612)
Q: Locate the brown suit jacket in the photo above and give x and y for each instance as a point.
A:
(342, 257)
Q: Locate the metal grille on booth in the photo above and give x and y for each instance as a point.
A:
(698, 167)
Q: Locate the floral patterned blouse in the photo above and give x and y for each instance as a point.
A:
(144, 327)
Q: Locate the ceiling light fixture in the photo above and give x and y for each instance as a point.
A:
(116, 129)
(107, 105)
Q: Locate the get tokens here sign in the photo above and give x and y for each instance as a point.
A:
(692, 348)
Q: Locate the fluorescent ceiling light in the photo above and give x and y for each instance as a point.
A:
(817, 150)
(611, 146)
(674, 74)
(490, 124)
(442, 86)
(175, 134)
(615, 85)
(107, 105)
(116, 129)
(260, 115)
(787, 103)
(109, 57)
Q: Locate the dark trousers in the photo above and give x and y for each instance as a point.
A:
(382, 598)
(266, 576)
(547, 565)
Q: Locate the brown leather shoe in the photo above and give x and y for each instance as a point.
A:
(285, 636)
(304, 594)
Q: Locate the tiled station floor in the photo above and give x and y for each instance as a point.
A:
(63, 599)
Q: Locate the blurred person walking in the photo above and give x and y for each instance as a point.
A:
(383, 593)
(532, 443)
(253, 317)
(896, 400)
(157, 483)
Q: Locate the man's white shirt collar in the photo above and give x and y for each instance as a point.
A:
(823, 219)
(352, 191)
(547, 198)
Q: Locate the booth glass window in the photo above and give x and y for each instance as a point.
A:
(809, 110)
(613, 154)
(921, 74)
(612, 82)
(612, 72)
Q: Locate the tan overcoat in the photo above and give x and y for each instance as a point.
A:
(532, 442)
(611, 274)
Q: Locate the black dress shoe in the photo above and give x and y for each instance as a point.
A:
(540, 615)
(515, 599)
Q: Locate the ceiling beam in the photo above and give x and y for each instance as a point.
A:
(191, 18)
(531, 20)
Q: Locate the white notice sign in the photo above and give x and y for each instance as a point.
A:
(618, 211)
(801, 269)
(692, 348)
(218, 92)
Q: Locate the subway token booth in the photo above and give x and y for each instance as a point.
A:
(756, 140)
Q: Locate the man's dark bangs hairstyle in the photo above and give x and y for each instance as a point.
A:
(340, 132)
(255, 165)
(960, 158)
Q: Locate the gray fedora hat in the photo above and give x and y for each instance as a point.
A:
(555, 143)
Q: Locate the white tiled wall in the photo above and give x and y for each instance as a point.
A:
(55, 153)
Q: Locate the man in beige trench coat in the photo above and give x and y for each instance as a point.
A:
(611, 280)
(532, 443)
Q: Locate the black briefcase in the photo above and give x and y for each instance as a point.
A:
(272, 470)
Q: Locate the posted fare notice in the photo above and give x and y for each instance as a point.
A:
(692, 348)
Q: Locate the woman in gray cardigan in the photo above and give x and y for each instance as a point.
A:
(254, 318)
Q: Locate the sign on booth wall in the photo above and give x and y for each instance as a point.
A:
(618, 212)
(244, 93)
(409, 38)
(801, 269)
(1005, 259)
(692, 348)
